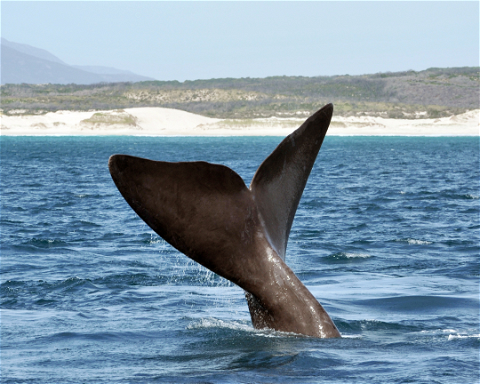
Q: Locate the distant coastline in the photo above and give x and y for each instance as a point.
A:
(154, 121)
(428, 94)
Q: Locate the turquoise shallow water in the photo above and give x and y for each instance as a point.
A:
(386, 237)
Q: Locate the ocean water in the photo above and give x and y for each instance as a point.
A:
(387, 238)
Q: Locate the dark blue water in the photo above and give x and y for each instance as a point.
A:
(386, 237)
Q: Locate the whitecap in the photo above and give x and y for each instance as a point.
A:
(418, 242)
(414, 241)
(453, 337)
(349, 255)
(217, 323)
(351, 336)
(354, 255)
(437, 331)
(239, 326)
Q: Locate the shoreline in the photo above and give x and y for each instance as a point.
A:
(164, 122)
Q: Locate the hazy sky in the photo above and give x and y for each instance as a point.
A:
(202, 40)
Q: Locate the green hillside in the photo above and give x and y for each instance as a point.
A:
(434, 92)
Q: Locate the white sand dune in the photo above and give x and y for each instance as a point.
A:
(172, 122)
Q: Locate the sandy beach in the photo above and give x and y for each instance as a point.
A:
(172, 122)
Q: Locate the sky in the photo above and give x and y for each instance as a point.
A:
(183, 40)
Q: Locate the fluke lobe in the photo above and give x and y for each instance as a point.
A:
(206, 211)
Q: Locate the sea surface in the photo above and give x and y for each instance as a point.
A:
(387, 238)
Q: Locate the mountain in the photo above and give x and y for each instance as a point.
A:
(32, 51)
(103, 70)
(18, 67)
(22, 63)
(113, 75)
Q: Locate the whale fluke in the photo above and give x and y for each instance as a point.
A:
(206, 211)
(280, 180)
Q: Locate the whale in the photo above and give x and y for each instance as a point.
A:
(207, 212)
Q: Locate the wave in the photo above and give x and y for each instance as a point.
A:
(354, 328)
(74, 283)
(457, 336)
(239, 326)
(87, 224)
(346, 257)
(452, 334)
(461, 196)
(45, 243)
(414, 241)
(217, 323)
(420, 304)
(445, 194)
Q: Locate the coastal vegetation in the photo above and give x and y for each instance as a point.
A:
(115, 117)
(432, 93)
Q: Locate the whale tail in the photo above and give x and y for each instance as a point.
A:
(206, 211)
